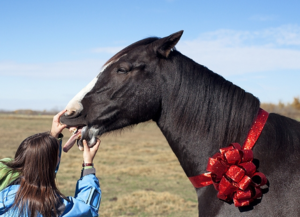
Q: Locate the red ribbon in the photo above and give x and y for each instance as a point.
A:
(232, 171)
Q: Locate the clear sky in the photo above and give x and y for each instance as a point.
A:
(49, 50)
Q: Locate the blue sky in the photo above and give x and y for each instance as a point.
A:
(49, 50)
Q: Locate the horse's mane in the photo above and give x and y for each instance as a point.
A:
(209, 105)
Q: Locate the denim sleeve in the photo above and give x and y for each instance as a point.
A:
(59, 151)
(86, 201)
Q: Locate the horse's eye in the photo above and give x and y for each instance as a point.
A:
(122, 71)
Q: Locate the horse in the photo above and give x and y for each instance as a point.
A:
(199, 112)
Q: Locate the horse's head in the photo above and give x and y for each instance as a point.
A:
(127, 91)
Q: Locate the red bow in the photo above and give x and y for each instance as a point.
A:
(232, 171)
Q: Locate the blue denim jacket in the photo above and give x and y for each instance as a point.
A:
(86, 201)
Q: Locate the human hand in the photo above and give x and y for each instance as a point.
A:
(57, 127)
(89, 153)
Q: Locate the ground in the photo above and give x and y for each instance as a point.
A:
(138, 172)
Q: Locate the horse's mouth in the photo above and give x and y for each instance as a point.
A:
(80, 133)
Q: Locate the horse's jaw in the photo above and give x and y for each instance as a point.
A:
(80, 134)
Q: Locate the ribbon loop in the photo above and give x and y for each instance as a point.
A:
(242, 195)
(247, 155)
(259, 179)
(235, 173)
(215, 166)
(244, 183)
(233, 156)
(249, 168)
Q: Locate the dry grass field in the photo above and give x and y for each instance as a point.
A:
(138, 172)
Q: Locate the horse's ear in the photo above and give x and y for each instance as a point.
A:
(164, 45)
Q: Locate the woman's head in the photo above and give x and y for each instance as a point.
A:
(36, 160)
(37, 157)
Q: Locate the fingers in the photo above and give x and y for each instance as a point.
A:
(96, 146)
(60, 126)
(63, 126)
(85, 146)
(89, 153)
(58, 115)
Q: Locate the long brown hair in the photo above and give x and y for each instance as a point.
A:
(36, 160)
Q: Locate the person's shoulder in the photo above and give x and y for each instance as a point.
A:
(7, 197)
(11, 189)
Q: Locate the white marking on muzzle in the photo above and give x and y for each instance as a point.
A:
(75, 104)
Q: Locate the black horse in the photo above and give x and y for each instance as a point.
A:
(198, 111)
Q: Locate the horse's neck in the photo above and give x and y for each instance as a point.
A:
(197, 122)
(192, 151)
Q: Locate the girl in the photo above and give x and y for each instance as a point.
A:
(27, 182)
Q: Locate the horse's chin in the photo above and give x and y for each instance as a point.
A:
(88, 134)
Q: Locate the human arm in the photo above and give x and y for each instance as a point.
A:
(88, 193)
(55, 131)
(59, 150)
(86, 201)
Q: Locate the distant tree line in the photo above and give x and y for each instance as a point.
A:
(291, 110)
(30, 112)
